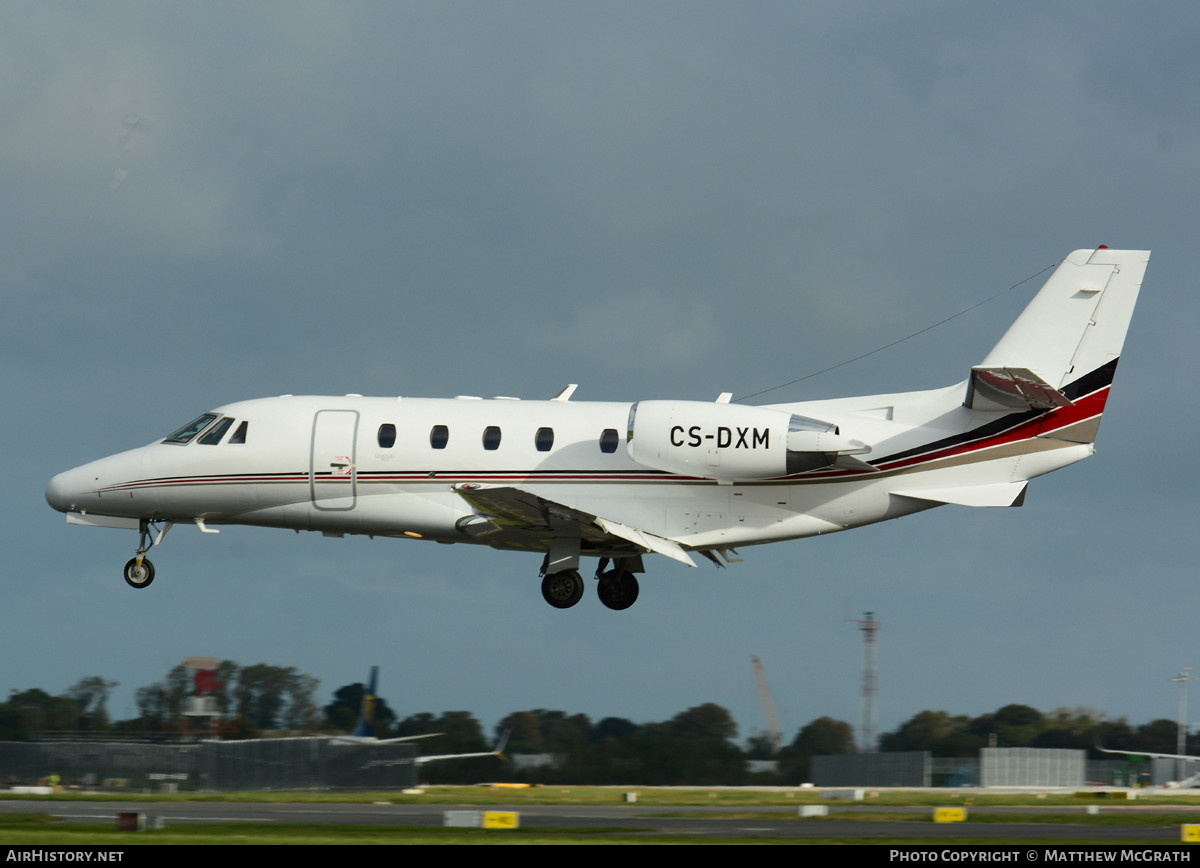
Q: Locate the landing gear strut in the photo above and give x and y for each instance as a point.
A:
(139, 572)
(562, 590)
(617, 589)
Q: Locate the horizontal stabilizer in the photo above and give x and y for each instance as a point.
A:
(1012, 389)
(996, 494)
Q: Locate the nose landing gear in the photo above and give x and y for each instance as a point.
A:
(139, 572)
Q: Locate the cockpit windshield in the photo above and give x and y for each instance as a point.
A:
(214, 434)
(191, 429)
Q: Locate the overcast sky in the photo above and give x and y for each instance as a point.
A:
(206, 202)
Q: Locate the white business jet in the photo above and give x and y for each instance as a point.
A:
(618, 481)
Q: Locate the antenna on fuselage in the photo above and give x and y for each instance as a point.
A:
(565, 394)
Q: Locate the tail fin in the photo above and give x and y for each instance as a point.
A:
(1065, 344)
(365, 728)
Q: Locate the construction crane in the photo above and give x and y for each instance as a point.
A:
(764, 694)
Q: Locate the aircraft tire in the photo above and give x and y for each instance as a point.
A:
(139, 575)
(562, 590)
(617, 589)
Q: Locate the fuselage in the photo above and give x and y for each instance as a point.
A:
(394, 467)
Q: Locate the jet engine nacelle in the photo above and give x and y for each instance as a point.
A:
(731, 442)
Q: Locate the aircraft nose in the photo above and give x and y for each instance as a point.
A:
(59, 491)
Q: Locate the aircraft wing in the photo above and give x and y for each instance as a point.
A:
(512, 507)
(1146, 753)
(498, 750)
(360, 739)
(428, 759)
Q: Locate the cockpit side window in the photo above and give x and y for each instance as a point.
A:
(191, 429)
(239, 436)
(214, 434)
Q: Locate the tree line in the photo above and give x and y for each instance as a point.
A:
(696, 746)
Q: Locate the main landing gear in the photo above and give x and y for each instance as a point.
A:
(139, 572)
(562, 590)
(617, 588)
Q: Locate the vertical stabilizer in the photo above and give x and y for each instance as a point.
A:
(365, 728)
(1075, 326)
(1058, 359)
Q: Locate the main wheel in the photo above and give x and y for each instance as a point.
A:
(139, 575)
(562, 590)
(618, 589)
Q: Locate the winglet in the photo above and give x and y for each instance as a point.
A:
(498, 750)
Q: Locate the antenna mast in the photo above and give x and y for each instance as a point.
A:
(869, 728)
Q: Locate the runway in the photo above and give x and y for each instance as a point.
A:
(699, 822)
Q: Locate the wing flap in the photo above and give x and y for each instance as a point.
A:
(515, 508)
(647, 540)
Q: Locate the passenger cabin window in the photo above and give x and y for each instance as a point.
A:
(239, 436)
(544, 439)
(214, 434)
(609, 440)
(191, 429)
(386, 435)
(491, 437)
(439, 436)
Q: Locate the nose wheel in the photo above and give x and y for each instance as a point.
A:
(139, 572)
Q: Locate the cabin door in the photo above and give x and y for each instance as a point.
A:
(332, 476)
